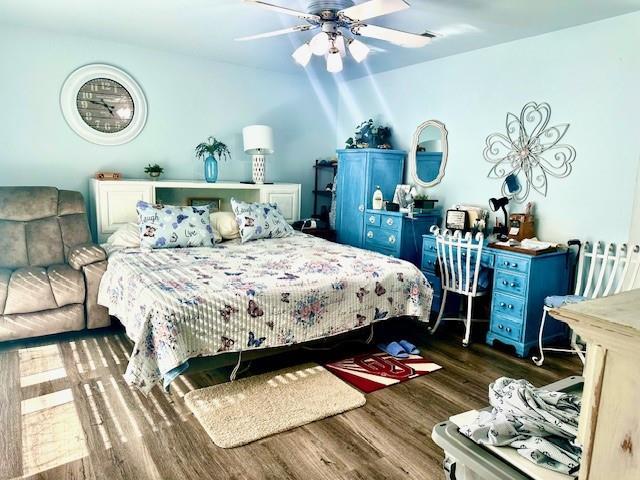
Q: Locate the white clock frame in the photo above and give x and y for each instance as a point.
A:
(68, 98)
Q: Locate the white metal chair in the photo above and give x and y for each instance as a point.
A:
(603, 269)
(459, 261)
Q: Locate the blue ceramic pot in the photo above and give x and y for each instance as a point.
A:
(210, 169)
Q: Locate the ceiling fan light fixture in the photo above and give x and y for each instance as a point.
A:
(334, 61)
(320, 43)
(302, 54)
(339, 44)
(358, 50)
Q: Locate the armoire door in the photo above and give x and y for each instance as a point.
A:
(385, 169)
(350, 201)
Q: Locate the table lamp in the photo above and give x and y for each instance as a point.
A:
(499, 204)
(258, 142)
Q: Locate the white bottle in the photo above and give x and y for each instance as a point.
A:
(377, 199)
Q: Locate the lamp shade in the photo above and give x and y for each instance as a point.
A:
(257, 139)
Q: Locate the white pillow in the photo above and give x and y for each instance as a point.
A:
(224, 223)
(128, 236)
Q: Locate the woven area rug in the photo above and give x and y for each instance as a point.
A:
(240, 412)
(372, 371)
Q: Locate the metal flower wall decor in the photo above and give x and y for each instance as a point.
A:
(530, 151)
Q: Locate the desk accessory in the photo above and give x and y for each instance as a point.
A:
(258, 142)
(500, 204)
(457, 220)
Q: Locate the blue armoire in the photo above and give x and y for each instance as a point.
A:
(359, 172)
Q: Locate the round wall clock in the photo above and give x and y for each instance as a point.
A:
(103, 104)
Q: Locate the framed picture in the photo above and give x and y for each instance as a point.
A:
(213, 203)
(403, 196)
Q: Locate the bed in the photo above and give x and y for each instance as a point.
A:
(179, 304)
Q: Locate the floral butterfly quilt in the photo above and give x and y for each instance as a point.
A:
(178, 304)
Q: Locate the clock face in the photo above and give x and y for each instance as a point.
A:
(105, 105)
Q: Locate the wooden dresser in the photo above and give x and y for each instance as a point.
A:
(609, 428)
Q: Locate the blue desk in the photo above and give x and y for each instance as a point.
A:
(520, 284)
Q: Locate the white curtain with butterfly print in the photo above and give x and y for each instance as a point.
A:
(178, 304)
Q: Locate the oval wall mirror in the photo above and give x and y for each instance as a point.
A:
(428, 154)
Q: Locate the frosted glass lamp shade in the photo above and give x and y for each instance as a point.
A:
(320, 43)
(258, 140)
(334, 61)
(302, 55)
(359, 50)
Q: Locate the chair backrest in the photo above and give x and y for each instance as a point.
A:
(459, 260)
(606, 269)
(39, 225)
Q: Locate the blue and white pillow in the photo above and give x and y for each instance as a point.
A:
(168, 226)
(260, 220)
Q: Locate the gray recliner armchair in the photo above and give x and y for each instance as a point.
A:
(49, 269)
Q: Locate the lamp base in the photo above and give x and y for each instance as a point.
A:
(257, 169)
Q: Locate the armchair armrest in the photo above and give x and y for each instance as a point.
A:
(85, 254)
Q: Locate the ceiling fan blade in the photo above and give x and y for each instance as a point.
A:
(397, 37)
(275, 33)
(286, 11)
(373, 8)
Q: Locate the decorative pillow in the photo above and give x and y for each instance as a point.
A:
(260, 220)
(168, 226)
(225, 223)
(128, 235)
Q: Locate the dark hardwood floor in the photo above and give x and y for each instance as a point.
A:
(66, 412)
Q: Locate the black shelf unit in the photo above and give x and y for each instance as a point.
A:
(320, 195)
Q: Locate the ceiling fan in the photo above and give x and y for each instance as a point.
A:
(340, 21)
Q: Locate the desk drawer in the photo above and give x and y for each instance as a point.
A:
(506, 328)
(381, 249)
(373, 219)
(506, 305)
(512, 263)
(429, 245)
(510, 283)
(429, 262)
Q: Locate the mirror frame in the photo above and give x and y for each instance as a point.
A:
(413, 173)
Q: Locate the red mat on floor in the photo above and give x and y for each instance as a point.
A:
(372, 371)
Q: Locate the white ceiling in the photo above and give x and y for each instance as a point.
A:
(207, 27)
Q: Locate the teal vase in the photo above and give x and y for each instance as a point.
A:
(210, 169)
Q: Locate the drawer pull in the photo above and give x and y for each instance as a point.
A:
(500, 326)
(510, 307)
(506, 264)
(392, 239)
(369, 234)
(432, 248)
(502, 304)
(504, 282)
(514, 285)
(515, 265)
(361, 208)
(389, 221)
(508, 329)
(372, 219)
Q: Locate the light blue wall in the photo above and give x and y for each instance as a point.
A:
(591, 77)
(189, 98)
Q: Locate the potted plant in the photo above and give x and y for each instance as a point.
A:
(211, 152)
(154, 171)
(423, 202)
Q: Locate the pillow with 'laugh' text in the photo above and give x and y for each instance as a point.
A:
(168, 226)
(260, 220)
